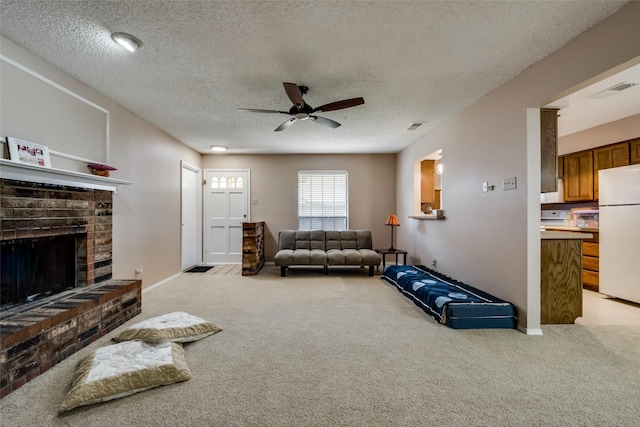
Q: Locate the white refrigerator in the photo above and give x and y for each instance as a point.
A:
(619, 212)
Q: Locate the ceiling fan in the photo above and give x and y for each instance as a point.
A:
(303, 111)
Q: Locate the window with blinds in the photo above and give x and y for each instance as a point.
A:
(323, 200)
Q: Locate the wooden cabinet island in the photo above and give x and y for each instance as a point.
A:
(561, 276)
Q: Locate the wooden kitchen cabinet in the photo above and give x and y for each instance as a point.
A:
(427, 182)
(591, 262)
(578, 176)
(561, 167)
(610, 156)
(548, 150)
(560, 285)
(634, 151)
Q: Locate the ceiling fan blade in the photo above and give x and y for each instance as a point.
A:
(294, 94)
(339, 105)
(257, 110)
(286, 124)
(325, 122)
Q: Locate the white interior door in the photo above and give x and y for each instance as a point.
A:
(226, 208)
(191, 216)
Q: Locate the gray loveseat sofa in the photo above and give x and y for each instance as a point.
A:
(326, 248)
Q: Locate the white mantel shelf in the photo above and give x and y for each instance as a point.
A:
(39, 174)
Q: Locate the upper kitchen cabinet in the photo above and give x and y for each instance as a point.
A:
(634, 150)
(610, 156)
(548, 150)
(427, 183)
(578, 176)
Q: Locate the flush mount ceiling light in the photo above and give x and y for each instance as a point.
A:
(127, 41)
(218, 148)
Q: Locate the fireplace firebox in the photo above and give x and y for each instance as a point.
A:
(32, 269)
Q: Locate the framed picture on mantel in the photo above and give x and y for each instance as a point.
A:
(28, 152)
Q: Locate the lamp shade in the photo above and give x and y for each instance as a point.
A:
(392, 220)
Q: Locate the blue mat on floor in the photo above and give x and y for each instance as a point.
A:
(450, 302)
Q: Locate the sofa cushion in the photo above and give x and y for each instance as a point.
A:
(363, 239)
(370, 257)
(318, 257)
(287, 239)
(332, 239)
(308, 257)
(316, 238)
(303, 239)
(284, 257)
(352, 257)
(335, 257)
(348, 239)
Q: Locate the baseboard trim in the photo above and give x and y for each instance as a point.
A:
(529, 331)
(160, 283)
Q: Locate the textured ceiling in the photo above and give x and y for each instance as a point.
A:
(412, 61)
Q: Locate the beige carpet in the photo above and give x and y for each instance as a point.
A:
(350, 350)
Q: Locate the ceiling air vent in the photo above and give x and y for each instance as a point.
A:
(415, 126)
(613, 90)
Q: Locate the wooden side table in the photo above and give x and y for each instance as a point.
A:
(396, 252)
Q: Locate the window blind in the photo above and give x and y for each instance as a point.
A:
(323, 200)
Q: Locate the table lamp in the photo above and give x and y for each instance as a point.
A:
(393, 222)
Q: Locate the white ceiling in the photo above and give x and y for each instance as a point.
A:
(582, 110)
(411, 61)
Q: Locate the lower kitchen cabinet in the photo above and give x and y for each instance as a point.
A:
(591, 262)
(560, 287)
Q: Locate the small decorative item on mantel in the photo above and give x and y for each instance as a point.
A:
(100, 169)
(29, 153)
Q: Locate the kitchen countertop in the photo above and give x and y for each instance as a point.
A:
(564, 235)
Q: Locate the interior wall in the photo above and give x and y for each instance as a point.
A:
(597, 136)
(274, 185)
(146, 214)
(489, 240)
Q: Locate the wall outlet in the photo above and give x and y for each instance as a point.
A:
(509, 183)
(138, 271)
(434, 264)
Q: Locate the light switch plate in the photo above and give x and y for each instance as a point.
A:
(485, 186)
(509, 183)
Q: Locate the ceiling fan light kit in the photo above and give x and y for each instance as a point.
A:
(303, 111)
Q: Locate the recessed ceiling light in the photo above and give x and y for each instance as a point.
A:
(218, 148)
(127, 41)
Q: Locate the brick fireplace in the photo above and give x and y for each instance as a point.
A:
(35, 335)
(33, 210)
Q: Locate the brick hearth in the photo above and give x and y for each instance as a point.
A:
(39, 335)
